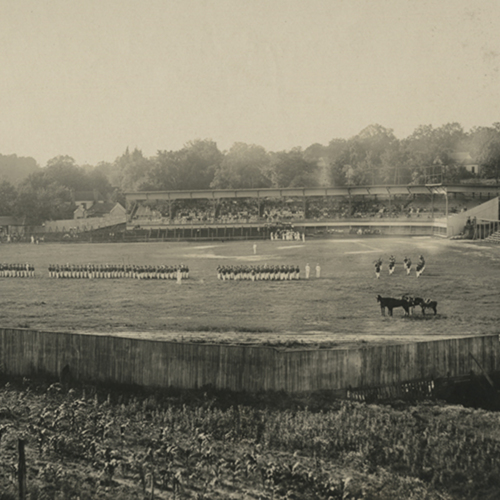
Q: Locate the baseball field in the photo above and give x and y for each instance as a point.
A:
(338, 308)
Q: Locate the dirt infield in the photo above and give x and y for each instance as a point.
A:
(337, 310)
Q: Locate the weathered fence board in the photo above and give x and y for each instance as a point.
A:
(251, 368)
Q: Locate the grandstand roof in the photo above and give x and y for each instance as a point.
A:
(301, 192)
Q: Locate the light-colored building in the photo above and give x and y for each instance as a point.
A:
(86, 199)
(100, 209)
(462, 159)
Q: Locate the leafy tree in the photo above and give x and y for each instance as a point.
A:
(359, 160)
(8, 195)
(394, 165)
(192, 167)
(134, 169)
(96, 179)
(199, 160)
(244, 166)
(338, 173)
(63, 170)
(111, 171)
(291, 169)
(490, 158)
(428, 146)
(15, 168)
(36, 204)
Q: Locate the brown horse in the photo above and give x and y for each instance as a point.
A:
(391, 303)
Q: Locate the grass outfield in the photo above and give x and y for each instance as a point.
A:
(339, 309)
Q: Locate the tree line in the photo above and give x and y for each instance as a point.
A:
(374, 156)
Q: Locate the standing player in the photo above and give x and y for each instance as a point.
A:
(407, 264)
(308, 271)
(318, 271)
(392, 264)
(420, 265)
(378, 267)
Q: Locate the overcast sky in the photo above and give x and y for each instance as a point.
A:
(88, 78)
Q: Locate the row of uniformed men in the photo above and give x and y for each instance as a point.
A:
(118, 271)
(407, 264)
(258, 273)
(17, 270)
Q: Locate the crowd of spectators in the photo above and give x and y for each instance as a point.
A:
(230, 211)
(293, 210)
(191, 211)
(278, 210)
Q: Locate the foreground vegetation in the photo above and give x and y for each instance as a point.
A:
(88, 443)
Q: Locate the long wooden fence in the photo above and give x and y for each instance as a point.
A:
(124, 360)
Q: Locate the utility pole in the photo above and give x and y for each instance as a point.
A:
(21, 470)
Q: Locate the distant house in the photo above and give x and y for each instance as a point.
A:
(85, 199)
(465, 160)
(462, 159)
(111, 209)
(100, 209)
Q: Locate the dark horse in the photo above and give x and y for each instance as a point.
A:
(392, 303)
(426, 304)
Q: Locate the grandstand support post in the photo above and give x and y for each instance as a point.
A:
(432, 204)
(350, 201)
(446, 200)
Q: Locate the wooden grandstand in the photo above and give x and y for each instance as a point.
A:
(435, 204)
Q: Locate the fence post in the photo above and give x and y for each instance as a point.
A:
(21, 470)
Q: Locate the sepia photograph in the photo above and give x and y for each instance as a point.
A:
(249, 250)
